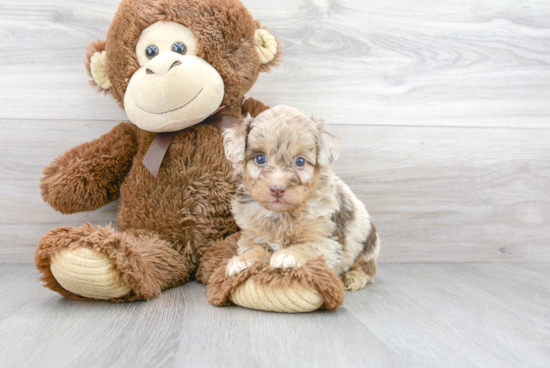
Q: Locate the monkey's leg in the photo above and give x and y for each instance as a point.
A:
(99, 263)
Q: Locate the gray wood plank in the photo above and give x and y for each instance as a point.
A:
(435, 194)
(42, 68)
(422, 315)
(470, 63)
(26, 147)
(486, 315)
(452, 194)
(238, 337)
(90, 334)
(178, 329)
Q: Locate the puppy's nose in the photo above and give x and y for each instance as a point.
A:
(277, 190)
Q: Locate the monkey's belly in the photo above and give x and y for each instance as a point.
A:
(179, 214)
(189, 203)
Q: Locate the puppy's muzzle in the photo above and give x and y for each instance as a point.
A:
(277, 191)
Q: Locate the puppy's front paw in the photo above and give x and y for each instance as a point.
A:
(238, 264)
(285, 259)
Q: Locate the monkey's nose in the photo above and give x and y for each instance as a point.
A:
(163, 63)
(277, 191)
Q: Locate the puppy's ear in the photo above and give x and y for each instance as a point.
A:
(234, 141)
(328, 146)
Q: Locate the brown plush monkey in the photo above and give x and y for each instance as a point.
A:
(180, 70)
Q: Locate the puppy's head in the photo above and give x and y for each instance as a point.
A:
(280, 154)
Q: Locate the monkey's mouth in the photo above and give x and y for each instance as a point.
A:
(177, 108)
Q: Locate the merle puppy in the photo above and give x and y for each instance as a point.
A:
(290, 203)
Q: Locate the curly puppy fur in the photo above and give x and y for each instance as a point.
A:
(290, 202)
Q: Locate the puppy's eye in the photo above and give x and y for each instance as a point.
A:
(179, 47)
(260, 160)
(151, 51)
(300, 162)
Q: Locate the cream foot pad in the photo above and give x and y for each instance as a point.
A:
(87, 273)
(276, 299)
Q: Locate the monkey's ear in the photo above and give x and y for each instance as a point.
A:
(269, 49)
(328, 146)
(95, 64)
(234, 141)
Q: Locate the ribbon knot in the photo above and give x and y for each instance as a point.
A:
(160, 144)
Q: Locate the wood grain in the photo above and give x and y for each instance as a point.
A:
(483, 315)
(469, 63)
(409, 89)
(435, 194)
(492, 315)
(445, 123)
(452, 194)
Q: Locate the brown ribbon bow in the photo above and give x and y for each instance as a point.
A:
(158, 148)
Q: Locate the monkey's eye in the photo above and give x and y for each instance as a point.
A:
(300, 162)
(179, 47)
(260, 160)
(151, 51)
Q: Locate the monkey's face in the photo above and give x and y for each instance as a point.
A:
(172, 63)
(173, 88)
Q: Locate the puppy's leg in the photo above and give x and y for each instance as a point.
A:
(288, 258)
(296, 255)
(245, 259)
(363, 269)
(360, 274)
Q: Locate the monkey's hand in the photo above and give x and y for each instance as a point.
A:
(89, 176)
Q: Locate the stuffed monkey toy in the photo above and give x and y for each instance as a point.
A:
(180, 69)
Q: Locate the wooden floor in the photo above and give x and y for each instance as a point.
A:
(444, 113)
(423, 315)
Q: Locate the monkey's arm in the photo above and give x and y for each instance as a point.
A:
(89, 176)
(253, 107)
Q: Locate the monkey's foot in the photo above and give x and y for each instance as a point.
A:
(89, 274)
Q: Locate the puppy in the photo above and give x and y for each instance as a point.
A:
(290, 202)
